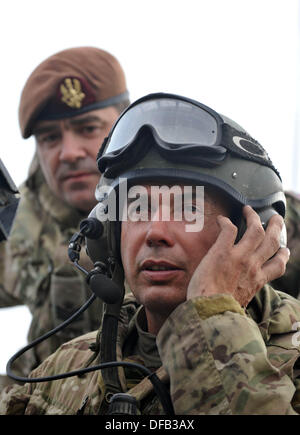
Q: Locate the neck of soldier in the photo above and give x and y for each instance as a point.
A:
(155, 320)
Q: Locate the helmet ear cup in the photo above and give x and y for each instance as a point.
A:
(97, 247)
(265, 215)
(241, 226)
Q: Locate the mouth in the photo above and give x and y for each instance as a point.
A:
(158, 265)
(159, 271)
(77, 176)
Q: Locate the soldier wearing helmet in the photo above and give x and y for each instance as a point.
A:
(202, 321)
(69, 103)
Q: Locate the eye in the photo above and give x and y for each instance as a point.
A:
(138, 212)
(190, 207)
(132, 208)
(90, 130)
(48, 140)
(192, 210)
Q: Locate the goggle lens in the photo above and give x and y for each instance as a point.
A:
(177, 122)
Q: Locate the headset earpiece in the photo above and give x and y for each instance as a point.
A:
(265, 215)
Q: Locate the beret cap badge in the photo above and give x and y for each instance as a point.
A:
(71, 92)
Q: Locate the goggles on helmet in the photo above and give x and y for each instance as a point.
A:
(195, 143)
(180, 126)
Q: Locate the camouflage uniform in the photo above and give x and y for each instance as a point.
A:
(34, 265)
(35, 270)
(216, 358)
(290, 281)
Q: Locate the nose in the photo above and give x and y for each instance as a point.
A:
(160, 231)
(71, 147)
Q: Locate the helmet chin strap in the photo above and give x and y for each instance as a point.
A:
(108, 345)
(109, 335)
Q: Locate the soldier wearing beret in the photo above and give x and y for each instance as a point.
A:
(69, 103)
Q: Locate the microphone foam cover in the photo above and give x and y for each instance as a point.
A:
(105, 289)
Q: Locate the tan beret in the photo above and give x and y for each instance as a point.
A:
(69, 83)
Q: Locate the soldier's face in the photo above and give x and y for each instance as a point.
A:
(67, 151)
(159, 258)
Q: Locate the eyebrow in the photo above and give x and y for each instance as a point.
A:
(45, 129)
(55, 126)
(89, 118)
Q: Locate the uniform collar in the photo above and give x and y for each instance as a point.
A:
(140, 342)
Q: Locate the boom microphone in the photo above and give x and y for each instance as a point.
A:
(105, 289)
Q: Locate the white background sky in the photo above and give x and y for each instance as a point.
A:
(240, 57)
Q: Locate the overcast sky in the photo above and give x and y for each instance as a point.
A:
(240, 57)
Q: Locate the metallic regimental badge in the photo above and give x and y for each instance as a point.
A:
(72, 93)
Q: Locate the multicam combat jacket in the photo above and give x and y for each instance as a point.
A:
(217, 358)
(35, 270)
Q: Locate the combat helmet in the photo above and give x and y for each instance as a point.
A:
(164, 138)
